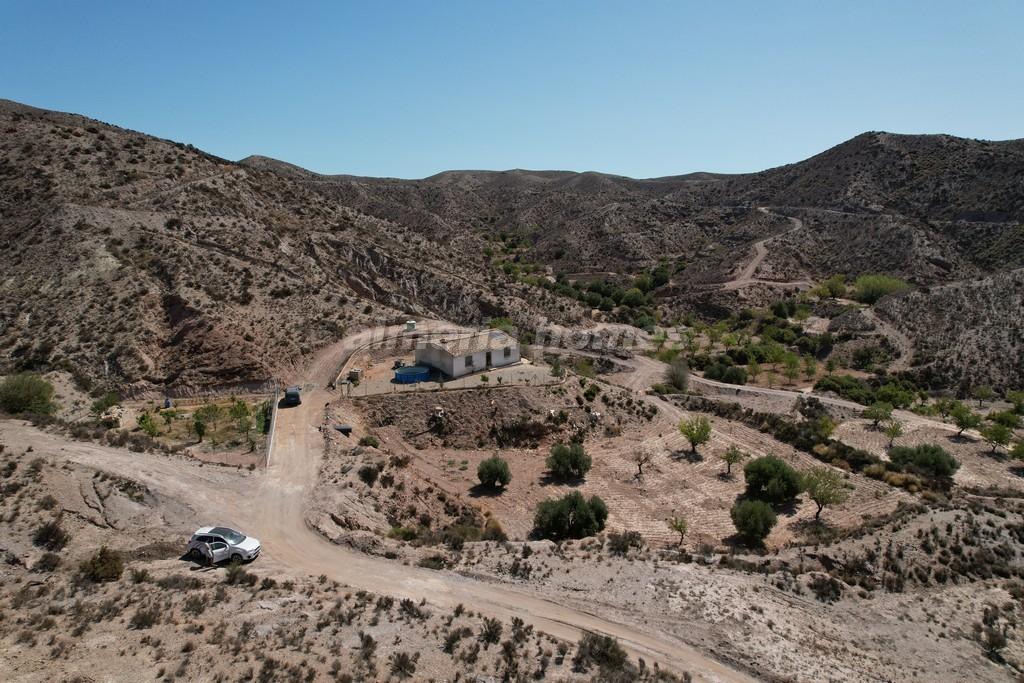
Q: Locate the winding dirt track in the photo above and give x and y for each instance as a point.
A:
(271, 507)
(900, 340)
(746, 276)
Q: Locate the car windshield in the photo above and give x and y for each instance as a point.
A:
(230, 535)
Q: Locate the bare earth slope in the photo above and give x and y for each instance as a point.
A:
(140, 262)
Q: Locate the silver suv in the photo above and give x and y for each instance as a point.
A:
(225, 543)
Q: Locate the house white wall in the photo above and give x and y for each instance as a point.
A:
(455, 366)
(435, 358)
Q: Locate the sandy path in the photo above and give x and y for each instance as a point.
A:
(746, 276)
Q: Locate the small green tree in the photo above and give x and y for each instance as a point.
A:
(571, 516)
(830, 366)
(679, 525)
(947, 406)
(753, 519)
(199, 427)
(824, 427)
(753, 370)
(1017, 399)
(772, 480)
(877, 412)
(996, 435)
(791, 367)
(810, 367)
(568, 461)
(147, 424)
(982, 393)
(893, 429)
(733, 456)
(824, 486)
(242, 417)
(965, 419)
(26, 393)
(697, 431)
(494, 472)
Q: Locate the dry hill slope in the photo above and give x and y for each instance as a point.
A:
(135, 260)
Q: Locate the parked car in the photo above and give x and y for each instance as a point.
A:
(226, 544)
(292, 396)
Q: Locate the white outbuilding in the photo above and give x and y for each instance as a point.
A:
(458, 356)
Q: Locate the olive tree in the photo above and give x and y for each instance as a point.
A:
(965, 419)
(733, 456)
(877, 412)
(996, 435)
(824, 486)
(893, 429)
(697, 431)
(679, 525)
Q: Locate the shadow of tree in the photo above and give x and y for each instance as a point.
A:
(483, 491)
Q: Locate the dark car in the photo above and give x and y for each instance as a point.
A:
(291, 396)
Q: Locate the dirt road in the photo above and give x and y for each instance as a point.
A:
(899, 340)
(745, 278)
(271, 507)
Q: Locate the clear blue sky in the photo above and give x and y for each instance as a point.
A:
(412, 88)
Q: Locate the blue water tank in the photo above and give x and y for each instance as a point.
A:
(412, 374)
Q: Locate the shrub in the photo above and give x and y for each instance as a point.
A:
(104, 402)
(105, 565)
(237, 576)
(871, 287)
(927, 459)
(490, 631)
(370, 441)
(771, 480)
(26, 393)
(601, 651)
(402, 533)
(368, 474)
(753, 519)
(432, 562)
(568, 461)
(571, 516)
(145, 618)
(494, 472)
(403, 665)
(677, 375)
(619, 544)
(729, 374)
(51, 536)
(48, 562)
(493, 531)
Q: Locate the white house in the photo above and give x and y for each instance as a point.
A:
(458, 356)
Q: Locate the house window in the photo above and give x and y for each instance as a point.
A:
(508, 352)
(469, 361)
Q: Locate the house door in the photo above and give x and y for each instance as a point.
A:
(488, 359)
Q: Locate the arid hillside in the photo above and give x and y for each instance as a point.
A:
(131, 260)
(137, 263)
(901, 190)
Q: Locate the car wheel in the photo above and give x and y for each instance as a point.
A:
(235, 557)
(194, 554)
